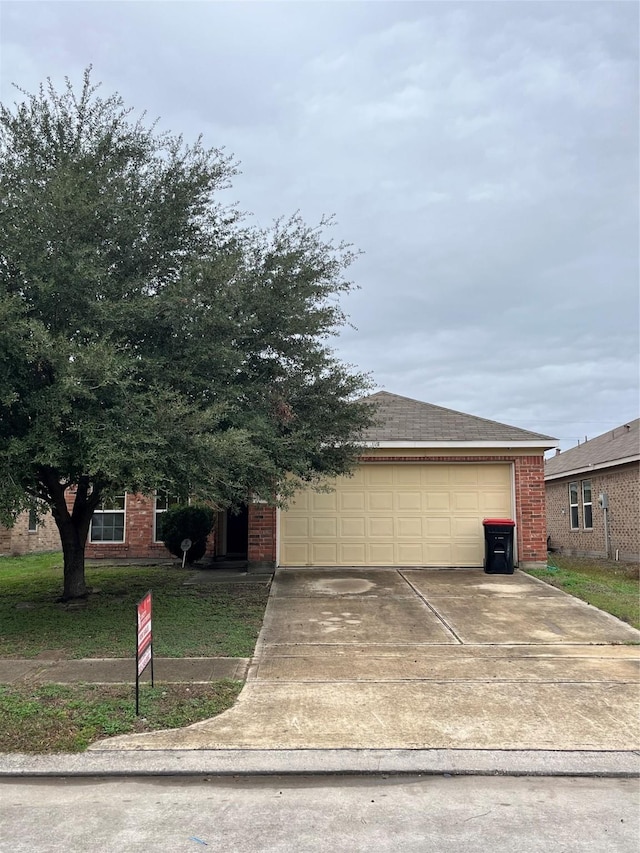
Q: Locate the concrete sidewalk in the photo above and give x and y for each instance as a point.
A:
(122, 670)
(370, 659)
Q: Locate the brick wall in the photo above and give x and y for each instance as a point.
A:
(139, 531)
(261, 552)
(622, 486)
(19, 539)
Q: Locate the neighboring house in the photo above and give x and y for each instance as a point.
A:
(29, 536)
(426, 478)
(575, 480)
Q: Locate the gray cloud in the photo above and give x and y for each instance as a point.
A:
(483, 155)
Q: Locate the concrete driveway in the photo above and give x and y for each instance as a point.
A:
(426, 659)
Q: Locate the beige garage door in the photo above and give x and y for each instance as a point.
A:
(397, 515)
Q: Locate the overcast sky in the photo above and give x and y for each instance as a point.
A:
(483, 156)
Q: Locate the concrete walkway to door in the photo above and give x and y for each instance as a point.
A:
(426, 659)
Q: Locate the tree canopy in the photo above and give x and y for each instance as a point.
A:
(149, 338)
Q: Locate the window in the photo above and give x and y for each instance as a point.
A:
(33, 521)
(573, 506)
(163, 503)
(587, 506)
(107, 524)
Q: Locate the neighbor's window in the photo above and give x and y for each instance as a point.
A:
(163, 503)
(573, 506)
(33, 521)
(587, 506)
(107, 524)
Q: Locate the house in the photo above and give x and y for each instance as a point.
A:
(593, 496)
(29, 535)
(426, 478)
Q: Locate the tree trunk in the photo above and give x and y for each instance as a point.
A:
(73, 550)
(73, 528)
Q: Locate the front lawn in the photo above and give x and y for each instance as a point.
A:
(606, 584)
(207, 620)
(45, 718)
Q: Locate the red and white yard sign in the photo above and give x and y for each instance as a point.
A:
(144, 633)
(144, 644)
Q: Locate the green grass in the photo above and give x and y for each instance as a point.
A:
(608, 585)
(188, 621)
(59, 718)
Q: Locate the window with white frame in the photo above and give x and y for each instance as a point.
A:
(163, 502)
(587, 505)
(107, 524)
(573, 506)
(33, 521)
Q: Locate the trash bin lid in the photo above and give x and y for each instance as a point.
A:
(505, 521)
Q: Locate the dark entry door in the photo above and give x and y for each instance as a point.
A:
(238, 532)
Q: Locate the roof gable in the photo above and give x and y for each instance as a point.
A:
(621, 443)
(401, 419)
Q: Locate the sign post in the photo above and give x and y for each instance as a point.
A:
(185, 545)
(144, 643)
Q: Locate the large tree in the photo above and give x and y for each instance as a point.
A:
(149, 339)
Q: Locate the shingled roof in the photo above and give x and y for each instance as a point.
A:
(403, 419)
(621, 443)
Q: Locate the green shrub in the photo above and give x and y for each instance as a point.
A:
(187, 522)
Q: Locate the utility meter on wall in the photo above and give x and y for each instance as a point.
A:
(603, 500)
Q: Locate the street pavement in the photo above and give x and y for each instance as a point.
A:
(272, 814)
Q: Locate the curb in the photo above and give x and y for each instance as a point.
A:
(229, 762)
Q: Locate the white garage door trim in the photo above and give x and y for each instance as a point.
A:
(400, 548)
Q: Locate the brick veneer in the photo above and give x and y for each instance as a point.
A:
(622, 486)
(261, 551)
(19, 539)
(139, 531)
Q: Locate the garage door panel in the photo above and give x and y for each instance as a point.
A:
(494, 475)
(379, 475)
(352, 500)
(324, 527)
(410, 475)
(495, 503)
(352, 554)
(300, 501)
(324, 554)
(408, 501)
(379, 526)
(470, 554)
(435, 501)
(380, 554)
(353, 527)
(435, 475)
(295, 554)
(437, 528)
(323, 501)
(409, 528)
(408, 514)
(377, 500)
(295, 527)
(466, 527)
(409, 555)
(438, 554)
(466, 501)
(463, 475)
